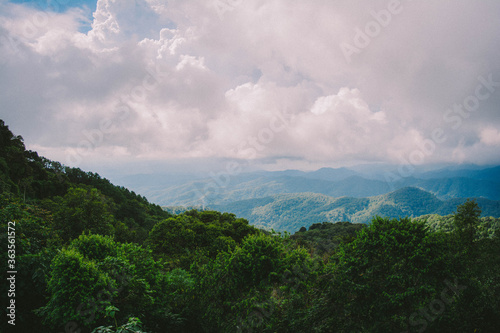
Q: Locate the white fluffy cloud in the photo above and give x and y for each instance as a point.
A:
(490, 136)
(258, 79)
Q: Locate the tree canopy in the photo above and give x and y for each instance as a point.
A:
(94, 257)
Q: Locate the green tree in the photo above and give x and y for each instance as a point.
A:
(82, 209)
(173, 308)
(95, 247)
(380, 279)
(172, 236)
(466, 221)
(134, 325)
(35, 238)
(78, 290)
(261, 285)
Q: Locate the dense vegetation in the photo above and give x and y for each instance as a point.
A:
(93, 257)
(487, 226)
(323, 238)
(289, 212)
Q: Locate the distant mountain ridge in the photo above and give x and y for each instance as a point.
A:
(492, 174)
(223, 189)
(290, 212)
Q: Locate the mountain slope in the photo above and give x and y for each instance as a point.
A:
(332, 182)
(292, 211)
(492, 174)
(74, 197)
(457, 187)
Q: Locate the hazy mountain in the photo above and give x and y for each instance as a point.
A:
(492, 174)
(331, 174)
(292, 211)
(222, 188)
(448, 188)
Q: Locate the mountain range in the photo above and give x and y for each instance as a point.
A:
(290, 199)
(290, 212)
(448, 183)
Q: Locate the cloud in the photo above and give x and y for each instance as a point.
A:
(255, 80)
(490, 136)
(342, 126)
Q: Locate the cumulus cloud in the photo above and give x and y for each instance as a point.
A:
(253, 80)
(490, 136)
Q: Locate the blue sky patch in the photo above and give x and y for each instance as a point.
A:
(61, 6)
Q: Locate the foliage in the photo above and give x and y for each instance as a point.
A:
(193, 236)
(94, 257)
(324, 238)
(390, 270)
(487, 226)
(81, 209)
(30, 178)
(466, 221)
(95, 247)
(134, 325)
(291, 211)
(75, 282)
(252, 286)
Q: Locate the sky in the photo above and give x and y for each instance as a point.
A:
(123, 86)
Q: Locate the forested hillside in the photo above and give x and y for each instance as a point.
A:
(76, 236)
(289, 212)
(77, 200)
(487, 227)
(224, 189)
(86, 256)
